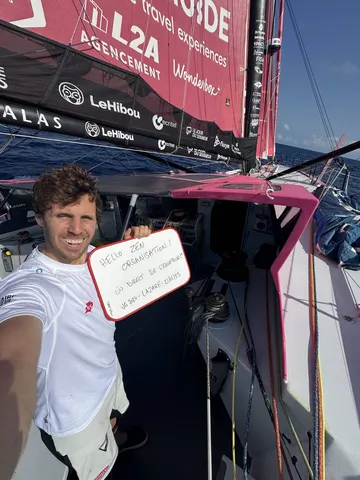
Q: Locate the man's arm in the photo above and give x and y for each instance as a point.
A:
(20, 342)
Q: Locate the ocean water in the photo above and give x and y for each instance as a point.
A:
(30, 152)
(291, 156)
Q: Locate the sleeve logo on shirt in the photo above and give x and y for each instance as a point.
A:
(88, 307)
(6, 299)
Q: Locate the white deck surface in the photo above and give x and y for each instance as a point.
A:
(338, 293)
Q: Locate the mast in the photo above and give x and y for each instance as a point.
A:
(256, 51)
(261, 87)
(278, 62)
(265, 136)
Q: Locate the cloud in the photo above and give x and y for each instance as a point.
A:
(279, 136)
(346, 68)
(319, 141)
(286, 127)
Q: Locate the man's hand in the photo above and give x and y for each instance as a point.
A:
(137, 232)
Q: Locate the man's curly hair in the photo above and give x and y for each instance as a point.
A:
(65, 186)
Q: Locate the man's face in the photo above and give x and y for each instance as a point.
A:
(69, 230)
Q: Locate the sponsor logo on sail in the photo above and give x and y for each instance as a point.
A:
(94, 15)
(258, 70)
(92, 129)
(162, 144)
(37, 20)
(195, 133)
(21, 115)
(235, 148)
(254, 122)
(102, 26)
(3, 83)
(257, 84)
(159, 122)
(221, 157)
(71, 93)
(198, 152)
(220, 143)
(114, 107)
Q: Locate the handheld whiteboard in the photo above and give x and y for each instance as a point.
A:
(131, 274)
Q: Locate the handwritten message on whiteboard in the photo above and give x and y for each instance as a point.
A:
(131, 274)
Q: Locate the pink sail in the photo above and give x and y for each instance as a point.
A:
(188, 52)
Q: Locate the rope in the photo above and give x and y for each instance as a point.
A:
(248, 415)
(329, 184)
(233, 426)
(251, 351)
(318, 406)
(297, 440)
(208, 398)
(272, 385)
(233, 433)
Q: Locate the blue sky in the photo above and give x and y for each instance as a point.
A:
(329, 30)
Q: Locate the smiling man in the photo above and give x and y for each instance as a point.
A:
(58, 362)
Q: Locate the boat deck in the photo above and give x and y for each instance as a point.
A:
(296, 178)
(166, 385)
(338, 293)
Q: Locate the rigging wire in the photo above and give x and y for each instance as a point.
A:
(272, 383)
(251, 351)
(208, 397)
(314, 86)
(294, 460)
(233, 429)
